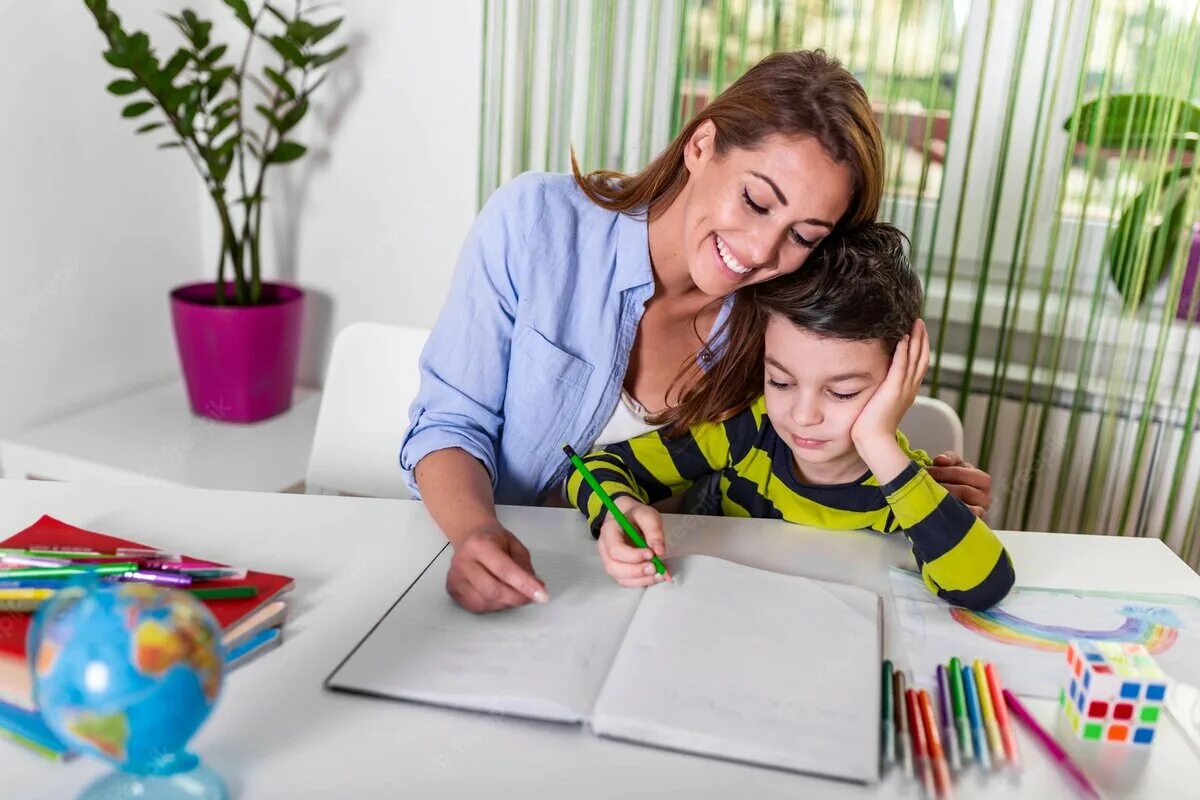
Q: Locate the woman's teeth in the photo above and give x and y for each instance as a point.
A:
(728, 258)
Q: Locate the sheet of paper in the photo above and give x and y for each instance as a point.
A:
(543, 661)
(753, 666)
(1025, 636)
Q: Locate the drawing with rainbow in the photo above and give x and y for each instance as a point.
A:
(1155, 628)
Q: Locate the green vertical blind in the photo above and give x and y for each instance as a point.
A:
(1040, 155)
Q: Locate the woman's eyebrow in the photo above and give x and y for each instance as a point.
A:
(783, 200)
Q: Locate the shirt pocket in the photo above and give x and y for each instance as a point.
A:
(544, 392)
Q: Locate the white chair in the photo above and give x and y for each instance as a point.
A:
(933, 426)
(371, 381)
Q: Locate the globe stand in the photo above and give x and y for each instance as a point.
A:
(200, 783)
(197, 783)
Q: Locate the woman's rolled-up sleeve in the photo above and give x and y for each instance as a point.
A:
(464, 365)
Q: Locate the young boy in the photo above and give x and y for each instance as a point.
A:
(799, 419)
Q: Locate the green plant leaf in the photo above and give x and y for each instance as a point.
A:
(176, 65)
(220, 127)
(268, 113)
(332, 55)
(292, 116)
(1145, 237)
(285, 152)
(284, 85)
(218, 77)
(287, 50)
(1149, 113)
(241, 11)
(213, 55)
(150, 126)
(276, 13)
(223, 106)
(118, 59)
(169, 145)
(122, 87)
(300, 31)
(136, 109)
(322, 31)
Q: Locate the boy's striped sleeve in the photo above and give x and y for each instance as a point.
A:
(649, 467)
(961, 559)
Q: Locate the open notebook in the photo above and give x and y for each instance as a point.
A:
(730, 661)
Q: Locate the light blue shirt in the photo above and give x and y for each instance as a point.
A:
(531, 347)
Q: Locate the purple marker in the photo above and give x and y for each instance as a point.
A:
(162, 578)
(946, 718)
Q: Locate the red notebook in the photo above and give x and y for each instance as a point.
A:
(15, 686)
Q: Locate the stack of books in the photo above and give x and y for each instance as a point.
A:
(248, 605)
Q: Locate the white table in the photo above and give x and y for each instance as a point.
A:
(278, 733)
(151, 438)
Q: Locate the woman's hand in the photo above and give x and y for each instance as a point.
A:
(968, 483)
(491, 571)
(628, 565)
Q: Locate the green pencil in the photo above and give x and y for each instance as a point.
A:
(224, 592)
(634, 534)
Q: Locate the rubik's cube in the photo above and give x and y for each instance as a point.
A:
(1114, 692)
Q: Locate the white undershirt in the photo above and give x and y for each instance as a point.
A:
(628, 420)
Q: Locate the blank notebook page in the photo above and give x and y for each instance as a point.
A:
(753, 666)
(542, 661)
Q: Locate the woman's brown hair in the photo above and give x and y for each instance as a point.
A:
(797, 94)
(859, 285)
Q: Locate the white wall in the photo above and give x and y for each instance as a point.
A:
(95, 224)
(371, 220)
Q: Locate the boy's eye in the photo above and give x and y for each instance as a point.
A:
(839, 396)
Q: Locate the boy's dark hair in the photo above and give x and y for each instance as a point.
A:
(858, 285)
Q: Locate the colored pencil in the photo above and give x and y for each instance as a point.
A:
(946, 707)
(1057, 754)
(634, 534)
(990, 727)
(978, 737)
(904, 750)
(933, 744)
(1002, 719)
(888, 734)
(920, 751)
(224, 592)
(958, 696)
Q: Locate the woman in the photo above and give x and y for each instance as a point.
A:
(577, 300)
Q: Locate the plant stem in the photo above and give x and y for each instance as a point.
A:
(239, 275)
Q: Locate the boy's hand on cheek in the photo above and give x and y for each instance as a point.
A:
(874, 431)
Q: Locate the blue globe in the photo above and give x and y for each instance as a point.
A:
(126, 672)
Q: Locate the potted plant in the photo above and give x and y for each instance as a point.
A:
(238, 336)
(1156, 223)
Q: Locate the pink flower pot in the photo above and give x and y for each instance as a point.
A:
(1189, 279)
(239, 362)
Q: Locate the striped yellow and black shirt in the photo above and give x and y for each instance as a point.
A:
(960, 558)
